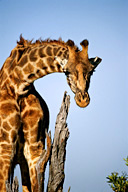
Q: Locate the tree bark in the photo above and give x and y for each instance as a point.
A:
(15, 186)
(58, 152)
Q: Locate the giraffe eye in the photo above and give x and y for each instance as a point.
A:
(66, 73)
(84, 74)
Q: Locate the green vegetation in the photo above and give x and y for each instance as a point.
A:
(119, 183)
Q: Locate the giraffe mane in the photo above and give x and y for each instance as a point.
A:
(26, 43)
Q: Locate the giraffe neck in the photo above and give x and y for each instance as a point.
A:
(28, 63)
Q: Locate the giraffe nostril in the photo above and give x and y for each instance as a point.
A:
(83, 96)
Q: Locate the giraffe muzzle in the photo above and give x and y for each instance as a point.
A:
(82, 100)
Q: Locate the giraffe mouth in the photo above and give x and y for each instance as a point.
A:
(82, 100)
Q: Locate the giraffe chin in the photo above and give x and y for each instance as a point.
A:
(82, 100)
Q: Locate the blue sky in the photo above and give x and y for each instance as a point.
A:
(98, 134)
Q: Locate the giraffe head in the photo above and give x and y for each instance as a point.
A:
(79, 70)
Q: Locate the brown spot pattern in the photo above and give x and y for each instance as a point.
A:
(32, 101)
(19, 73)
(32, 76)
(49, 51)
(28, 68)
(40, 64)
(41, 52)
(33, 55)
(1, 164)
(15, 79)
(59, 54)
(4, 136)
(1, 176)
(13, 135)
(50, 60)
(22, 105)
(4, 97)
(15, 121)
(55, 50)
(32, 172)
(32, 117)
(8, 108)
(1, 186)
(6, 147)
(23, 61)
(66, 55)
(12, 65)
(6, 126)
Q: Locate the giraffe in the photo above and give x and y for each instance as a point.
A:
(24, 115)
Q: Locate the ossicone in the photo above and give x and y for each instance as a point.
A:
(84, 43)
(70, 43)
(84, 52)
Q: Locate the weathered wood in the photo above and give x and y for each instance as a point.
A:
(57, 160)
(15, 186)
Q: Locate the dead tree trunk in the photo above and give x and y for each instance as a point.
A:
(55, 154)
(58, 152)
(14, 187)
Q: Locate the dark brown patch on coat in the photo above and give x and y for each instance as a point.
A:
(32, 76)
(22, 105)
(35, 150)
(12, 91)
(8, 108)
(32, 101)
(6, 148)
(28, 68)
(1, 186)
(55, 50)
(3, 77)
(66, 54)
(4, 137)
(32, 117)
(33, 55)
(40, 64)
(19, 73)
(1, 164)
(58, 67)
(5, 95)
(49, 51)
(6, 126)
(13, 135)
(1, 177)
(41, 52)
(12, 65)
(60, 53)
(52, 67)
(23, 61)
(44, 68)
(50, 61)
(15, 79)
(15, 121)
(39, 73)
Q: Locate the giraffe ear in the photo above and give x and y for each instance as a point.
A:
(95, 61)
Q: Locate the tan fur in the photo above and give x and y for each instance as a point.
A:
(24, 115)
